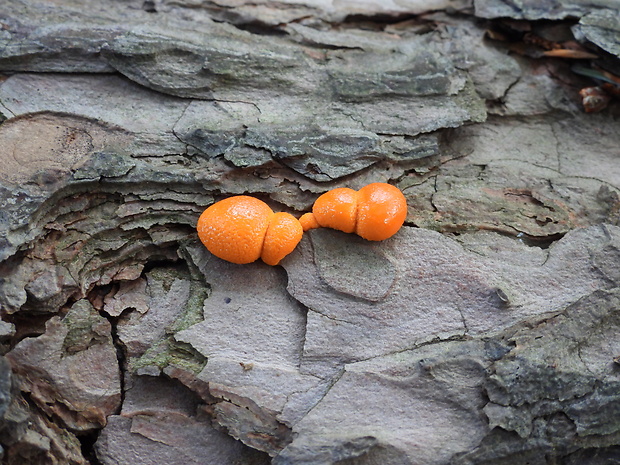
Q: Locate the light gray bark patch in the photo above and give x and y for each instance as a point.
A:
(602, 28)
(535, 9)
(354, 266)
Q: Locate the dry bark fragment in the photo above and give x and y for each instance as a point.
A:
(71, 372)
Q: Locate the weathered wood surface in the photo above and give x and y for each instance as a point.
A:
(484, 332)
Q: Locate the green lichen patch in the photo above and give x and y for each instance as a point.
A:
(169, 352)
(165, 350)
(85, 328)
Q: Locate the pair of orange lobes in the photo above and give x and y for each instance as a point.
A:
(242, 229)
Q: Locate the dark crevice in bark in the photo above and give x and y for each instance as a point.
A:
(87, 442)
(261, 29)
(121, 355)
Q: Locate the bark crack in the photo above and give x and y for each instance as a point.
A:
(558, 152)
(332, 318)
(437, 340)
(4, 107)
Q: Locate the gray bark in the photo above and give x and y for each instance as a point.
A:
(485, 331)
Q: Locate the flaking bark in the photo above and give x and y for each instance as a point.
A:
(485, 331)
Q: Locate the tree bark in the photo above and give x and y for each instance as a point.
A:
(484, 331)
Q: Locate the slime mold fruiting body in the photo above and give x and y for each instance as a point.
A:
(375, 212)
(242, 229)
